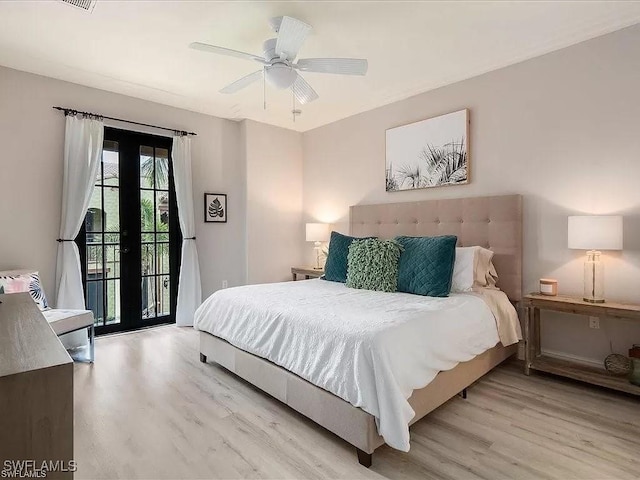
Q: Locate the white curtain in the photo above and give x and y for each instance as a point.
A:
(189, 290)
(82, 156)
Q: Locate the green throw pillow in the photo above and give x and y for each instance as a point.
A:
(373, 264)
(335, 268)
(426, 265)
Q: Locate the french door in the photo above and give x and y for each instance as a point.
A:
(130, 241)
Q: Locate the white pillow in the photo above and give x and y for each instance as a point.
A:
(463, 275)
(473, 266)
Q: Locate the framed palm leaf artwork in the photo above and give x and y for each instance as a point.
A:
(215, 208)
(428, 153)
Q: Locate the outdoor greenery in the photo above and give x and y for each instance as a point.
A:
(161, 172)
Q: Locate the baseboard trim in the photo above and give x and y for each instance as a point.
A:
(574, 358)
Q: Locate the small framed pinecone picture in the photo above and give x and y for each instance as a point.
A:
(215, 208)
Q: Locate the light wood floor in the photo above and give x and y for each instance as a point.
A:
(149, 409)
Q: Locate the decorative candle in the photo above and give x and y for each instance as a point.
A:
(549, 286)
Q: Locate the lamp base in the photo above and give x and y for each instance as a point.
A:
(317, 247)
(593, 278)
(593, 300)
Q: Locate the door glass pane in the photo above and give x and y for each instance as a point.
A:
(94, 257)
(147, 210)
(112, 255)
(162, 211)
(147, 171)
(163, 295)
(148, 297)
(110, 164)
(148, 258)
(162, 169)
(95, 299)
(111, 202)
(162, 256)
(94, 218)
(113, 302)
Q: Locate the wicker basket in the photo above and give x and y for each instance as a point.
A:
(617, 364)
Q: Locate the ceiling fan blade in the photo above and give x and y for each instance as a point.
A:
(291, 35)
(205, 47)
(342, 66)
(303, 91)
(243, 82)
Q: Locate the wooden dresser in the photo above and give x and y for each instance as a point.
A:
(36, 391)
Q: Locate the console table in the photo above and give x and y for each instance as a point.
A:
(36, 390)
(535, 360)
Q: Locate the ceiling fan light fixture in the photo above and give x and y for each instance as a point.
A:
(280, 76)
(279, 65)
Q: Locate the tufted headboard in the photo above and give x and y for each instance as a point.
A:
(491, 222)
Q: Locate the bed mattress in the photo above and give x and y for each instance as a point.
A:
(372, 349)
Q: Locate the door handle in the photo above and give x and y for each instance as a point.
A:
(125, 250)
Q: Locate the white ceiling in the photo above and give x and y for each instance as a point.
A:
(139, 48)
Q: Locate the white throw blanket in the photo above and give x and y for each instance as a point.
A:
(371, 349)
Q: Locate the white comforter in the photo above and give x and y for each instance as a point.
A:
(372, 349)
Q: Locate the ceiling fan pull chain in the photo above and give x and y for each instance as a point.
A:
(294, 111)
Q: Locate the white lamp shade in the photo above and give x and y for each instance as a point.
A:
(317, 232)
(595, 232)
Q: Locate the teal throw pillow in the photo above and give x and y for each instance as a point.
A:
(373, 264)
(335, 268)
(426, 265)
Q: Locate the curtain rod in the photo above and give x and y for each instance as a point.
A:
(71, 111)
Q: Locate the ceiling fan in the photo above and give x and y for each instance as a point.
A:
(278, 57)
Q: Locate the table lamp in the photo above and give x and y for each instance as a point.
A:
(594, 233)
(318, 233)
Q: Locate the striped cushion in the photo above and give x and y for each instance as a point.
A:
(20, 281)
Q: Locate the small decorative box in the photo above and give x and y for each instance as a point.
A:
(548, 286)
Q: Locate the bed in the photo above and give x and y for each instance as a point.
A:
(359, 406)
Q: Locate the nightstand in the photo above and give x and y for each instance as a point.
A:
(308, 272)
(534, 360)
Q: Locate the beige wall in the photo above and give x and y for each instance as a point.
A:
(275, 236)
(561, 129)
(32, 139)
